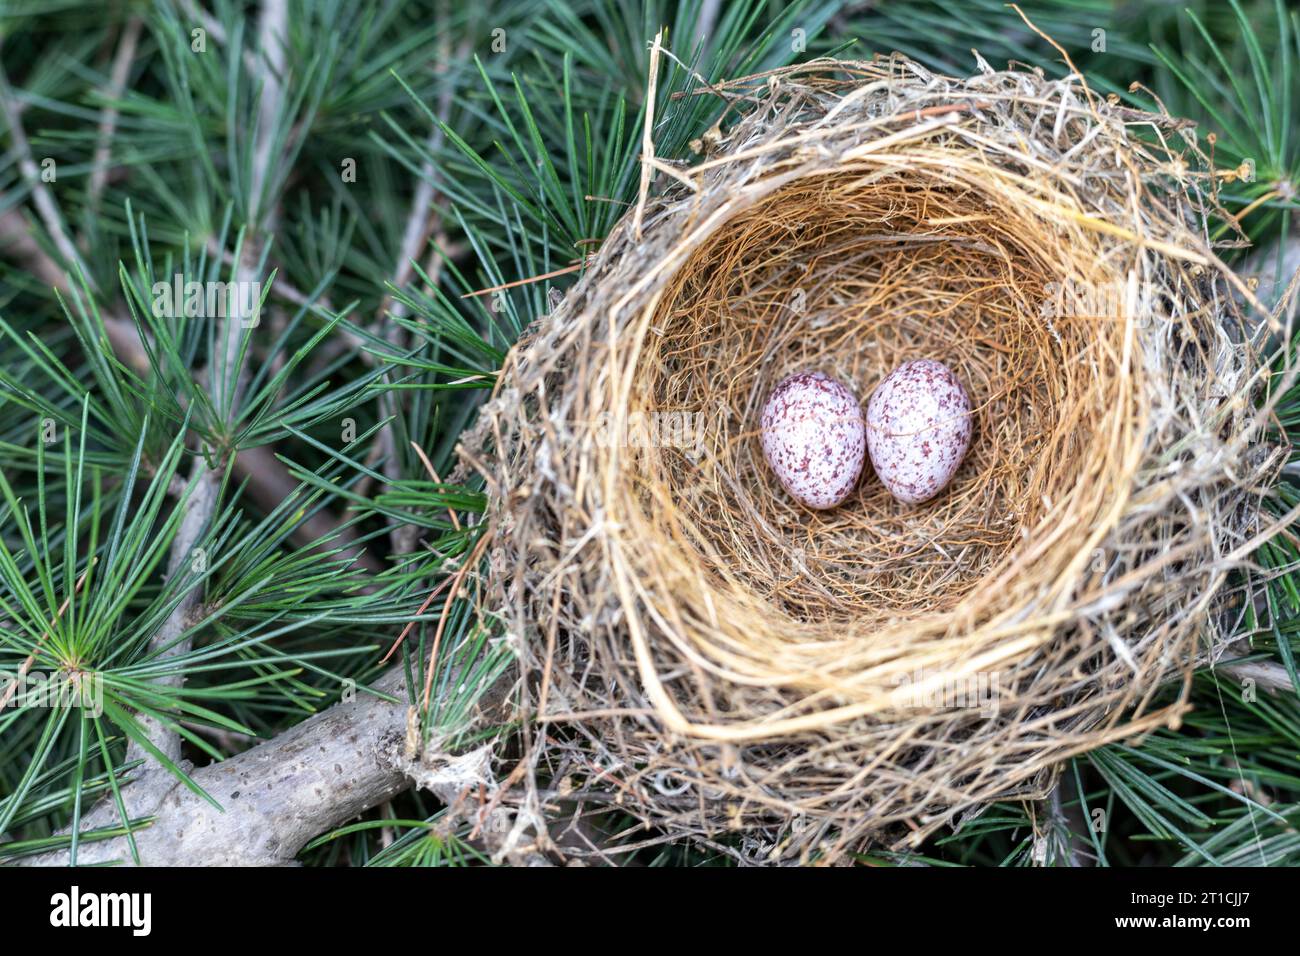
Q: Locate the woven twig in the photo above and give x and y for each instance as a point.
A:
(715, 659)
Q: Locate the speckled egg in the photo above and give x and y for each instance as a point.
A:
(918, 429)
(814, 438)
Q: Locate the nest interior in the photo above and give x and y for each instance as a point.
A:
(721, 660)
(853, 275)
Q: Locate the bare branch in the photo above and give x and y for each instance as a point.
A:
(41, 197)
(1268, 675)
(198, 511)
(274, 797)
(108, 119)
(227, 378)
(277, 796)
(269, 481)
(420, 225)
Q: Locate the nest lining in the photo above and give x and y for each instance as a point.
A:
(855, 279)
(721, 659)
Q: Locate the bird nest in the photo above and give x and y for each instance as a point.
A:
(787, 684)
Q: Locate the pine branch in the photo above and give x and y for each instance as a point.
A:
(268, 479)
(108, 120)
(1056, 841)
(168, 641)
(228, 378)
(421, 223)
(273, 798)
(40, 193)
(1267, 675)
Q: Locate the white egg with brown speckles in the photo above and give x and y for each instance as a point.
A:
(918, 429)
(814, 438)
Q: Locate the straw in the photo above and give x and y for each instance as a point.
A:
(715, 658)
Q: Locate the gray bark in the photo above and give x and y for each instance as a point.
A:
(274, 797)
(198, 509)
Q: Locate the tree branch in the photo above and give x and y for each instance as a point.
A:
(46, 208)
(108, 119)
(421, 221)
(227, 377)
(274, 797)
(277, 796)
(269, 481)
(199, 508)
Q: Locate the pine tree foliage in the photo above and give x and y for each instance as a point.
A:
(229, 526)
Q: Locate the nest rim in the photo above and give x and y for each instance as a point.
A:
(668, 660)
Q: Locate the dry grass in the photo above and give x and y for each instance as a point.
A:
(713, 657)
